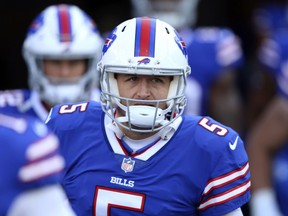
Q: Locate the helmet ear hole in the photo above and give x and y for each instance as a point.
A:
(123, 29)
(167, 30)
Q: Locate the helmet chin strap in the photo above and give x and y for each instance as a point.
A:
(143, 116)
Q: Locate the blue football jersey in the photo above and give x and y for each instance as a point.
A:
(211, 52)
(274, 55)
(29, 102)
(202, 170)
(29, 157)
(24, 101)
(270, 16)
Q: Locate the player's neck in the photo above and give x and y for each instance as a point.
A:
(47, 106)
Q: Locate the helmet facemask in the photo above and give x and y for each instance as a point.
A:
(55, 90)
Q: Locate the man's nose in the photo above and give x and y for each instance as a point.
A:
(143, 89)
(65, 70)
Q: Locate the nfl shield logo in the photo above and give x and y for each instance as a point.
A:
(127, 164)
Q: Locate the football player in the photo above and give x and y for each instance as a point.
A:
(268, 139)
(61, 50)
(135, 153)
(30, 168)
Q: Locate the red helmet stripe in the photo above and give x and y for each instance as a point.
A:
(65, 32)
(145, 37)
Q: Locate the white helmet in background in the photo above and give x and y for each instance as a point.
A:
(144, 46)
(178, 13)
(62, 32)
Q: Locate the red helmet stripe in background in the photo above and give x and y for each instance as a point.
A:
(65, 31)
(145, 37)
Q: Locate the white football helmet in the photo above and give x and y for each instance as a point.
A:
(62, 32)
(144, 46)
(178, 13)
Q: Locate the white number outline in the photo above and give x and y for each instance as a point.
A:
(106, 198)
(213, 128)
(82, 107)
(11, 98)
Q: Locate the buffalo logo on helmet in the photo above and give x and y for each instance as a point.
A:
(143, 61)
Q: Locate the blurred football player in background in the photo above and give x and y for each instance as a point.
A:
(269, 17)
(215, 55)
(268, 139)
(30, 168)
(61, 50)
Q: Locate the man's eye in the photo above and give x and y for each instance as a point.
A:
(157, 80)
(132, 79)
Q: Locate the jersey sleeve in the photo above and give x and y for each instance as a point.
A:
(33, 146)
(228, 186)
(43, 162)
(67, 116)
(29, 155)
